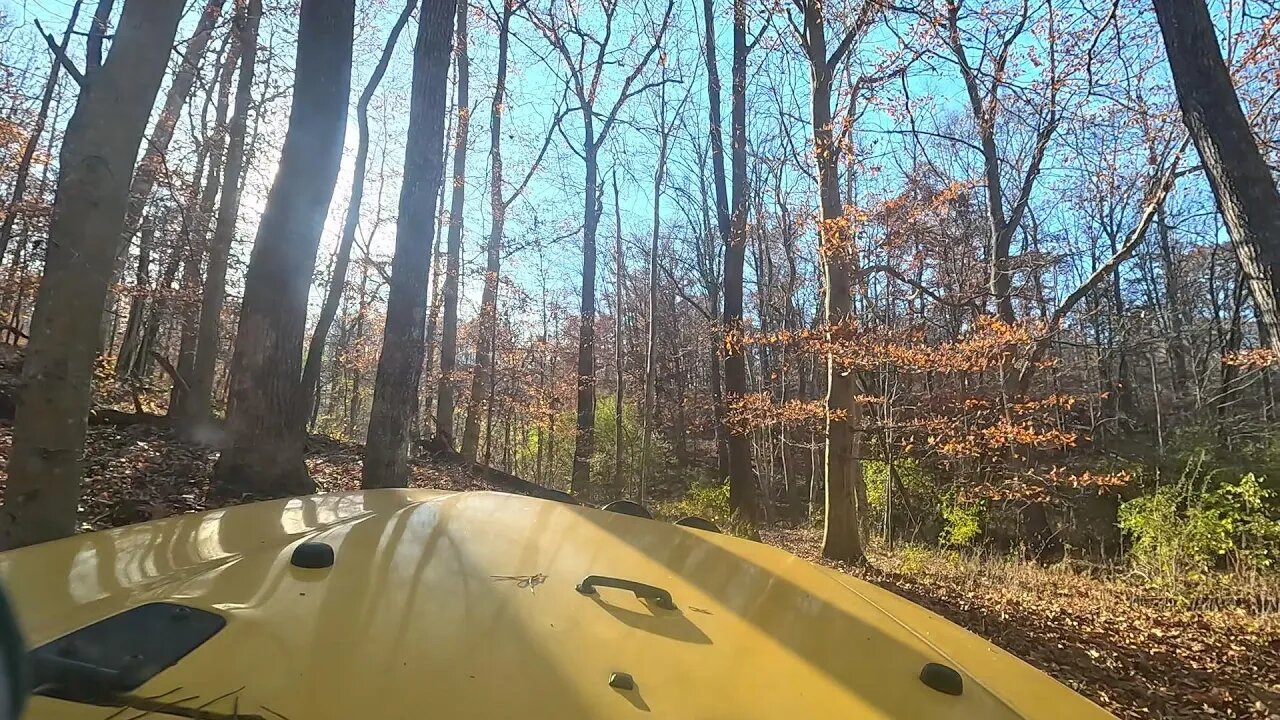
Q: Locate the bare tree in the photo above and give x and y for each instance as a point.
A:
(96, 162)
(742, 483)
(154, 158)
(395, 392)
(841, 538)
(500, 203)
(197, 404)
(23, 171)
(453, 261)
(264, 444)
(196, 227)
(585, 56)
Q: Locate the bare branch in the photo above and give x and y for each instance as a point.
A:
(61, 56)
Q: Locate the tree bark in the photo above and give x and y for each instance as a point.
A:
(341, 265)
(651, 335)
(131, 346)
(742, 485)
(619, 271)
(1242, 183)
(841, 538)
(98, 152)
(453, 263)
(584, 446)
(159, 308)
(486, 323)
(265, 441)
(400, 364)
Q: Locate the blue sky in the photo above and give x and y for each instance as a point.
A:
(551, 207)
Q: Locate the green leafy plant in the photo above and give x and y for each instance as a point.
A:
(1183, 532)
(963, 524)
(708, 500)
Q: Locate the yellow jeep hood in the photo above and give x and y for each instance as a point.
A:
(465, 605)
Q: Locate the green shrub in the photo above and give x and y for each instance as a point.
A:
(911, 480)
(708, 500)
(1182, 532)
(962, 524)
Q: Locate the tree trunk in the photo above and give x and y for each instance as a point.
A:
(132, 343)
(426, 413)
(195, 230)
(650, 383)
(453, 263)
(99, 148)
(198, 404)
(1242, 183)
(157, 146)
(619, 271)
(742, 484)
(584, 445)
(263, 452)
(97, 34)
(159, 309)
(841, 537)
(721, 196)
(400, 364)
(486, 323)
(329, 310)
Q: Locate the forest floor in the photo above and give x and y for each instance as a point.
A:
(1136, 655)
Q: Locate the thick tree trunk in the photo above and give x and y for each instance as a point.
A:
(198, 404)
(1242, 183)
(264, 445)
(329, 310)
(98, 152)
(400, 364)
(742, 485)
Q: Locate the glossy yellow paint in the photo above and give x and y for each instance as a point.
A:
(464, 606)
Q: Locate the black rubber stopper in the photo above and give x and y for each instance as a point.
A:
(621, 681)
(698, 523)
(627, 507)
(942, 678)
(312, 555)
